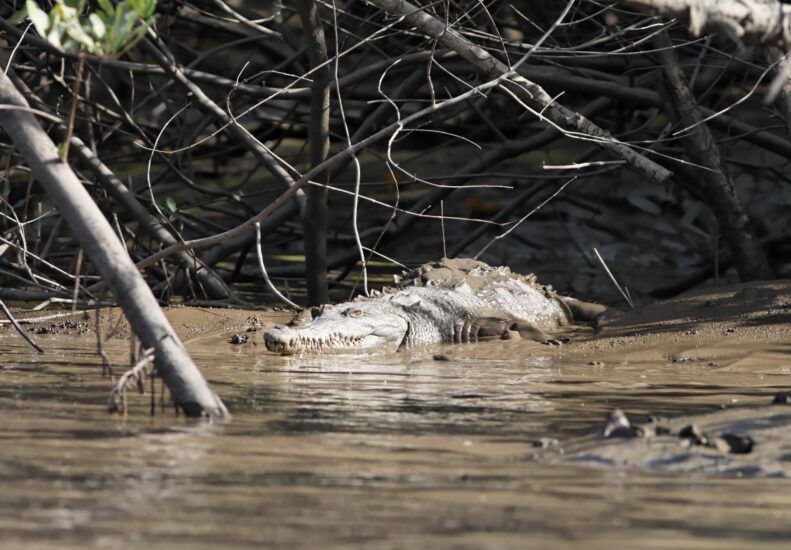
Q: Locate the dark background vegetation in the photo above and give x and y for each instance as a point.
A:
(446, 185)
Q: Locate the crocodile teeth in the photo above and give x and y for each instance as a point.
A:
(297, 343)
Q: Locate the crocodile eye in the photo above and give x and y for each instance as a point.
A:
(354, 313)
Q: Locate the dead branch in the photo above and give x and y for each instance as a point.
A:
(715, 180)
(190, 390)
(165, 58)
(530, 94)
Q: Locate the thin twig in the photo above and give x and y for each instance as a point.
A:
(107, 368)
(517, 224)
(117, 401)
(357, 167)
(313, 172)
(16, 47)
(264, 274)
(75, 98)
(19, 329)
(442, 224)
(77, 271)
(612, 278)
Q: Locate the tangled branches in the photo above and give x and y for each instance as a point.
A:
(339, 131)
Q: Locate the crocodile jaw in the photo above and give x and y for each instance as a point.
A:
(328, 337)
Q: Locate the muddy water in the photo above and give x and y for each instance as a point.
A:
(399, 451)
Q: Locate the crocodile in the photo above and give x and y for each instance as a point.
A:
(451, 300)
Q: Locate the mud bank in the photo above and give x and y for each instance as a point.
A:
(711, 327)
(762, 434)
(190, 323)
(743, 329)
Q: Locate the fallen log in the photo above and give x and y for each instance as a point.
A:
(189, 389)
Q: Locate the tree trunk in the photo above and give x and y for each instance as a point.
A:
(314, 213)
(751, 21)
(714, 180)
(783, 99)
(190, 390)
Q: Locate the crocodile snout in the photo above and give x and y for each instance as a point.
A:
(275, 340)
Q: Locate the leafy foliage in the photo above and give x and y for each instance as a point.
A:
(112, 30)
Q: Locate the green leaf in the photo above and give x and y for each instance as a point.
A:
(111, 30)
(132, 40)
(106, 6)
(150, 7)
(54, 36)
(129, 19)
(116, 28)
(98, 28)
(77, 5)
(66, 13)
(54, 18)
(38, 16)
(17, 17)
(75, 31)
(171, 204)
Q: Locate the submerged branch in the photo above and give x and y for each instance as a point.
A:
(117, 402)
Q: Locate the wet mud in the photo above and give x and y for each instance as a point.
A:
(741, 328)
(740, 441)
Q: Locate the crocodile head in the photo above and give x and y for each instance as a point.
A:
(355, 326)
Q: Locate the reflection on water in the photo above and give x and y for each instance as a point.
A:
(388, 452)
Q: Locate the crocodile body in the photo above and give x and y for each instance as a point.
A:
(447, 301)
